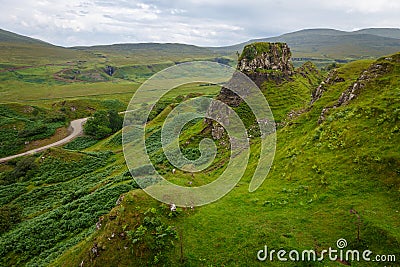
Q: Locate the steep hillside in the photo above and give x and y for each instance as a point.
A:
(323, 174)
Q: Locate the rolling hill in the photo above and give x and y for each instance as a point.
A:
(150, 53)
(385, 32)
(10, 37)
(19, 50)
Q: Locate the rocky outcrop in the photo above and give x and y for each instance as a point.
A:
(264, 61)
(110, 70)
(261, 56)
(306, 69)
(333, 78)
(375, 70)
(354, 90)
(261, 62)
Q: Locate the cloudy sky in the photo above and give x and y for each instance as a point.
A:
(199, 22)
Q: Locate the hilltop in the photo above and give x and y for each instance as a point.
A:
(12, 38)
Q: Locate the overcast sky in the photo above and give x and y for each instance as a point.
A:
(199, 22)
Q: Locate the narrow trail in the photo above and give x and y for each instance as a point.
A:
(77, 129)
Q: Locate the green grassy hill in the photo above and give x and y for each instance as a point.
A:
(150, 53)
(21, 51)
(322, 170)
(10, 37)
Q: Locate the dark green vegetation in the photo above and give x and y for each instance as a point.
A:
(153, 237)
(59, 203)
(253, 49)
(81, 143)
(103, 124)
(22, 124)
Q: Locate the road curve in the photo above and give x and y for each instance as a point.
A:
(77, 128)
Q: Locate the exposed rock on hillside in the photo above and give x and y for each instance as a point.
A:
(376, 70)
(261, 62)
(266, 61)
(372, 72)
(333, 77)
(109, 70)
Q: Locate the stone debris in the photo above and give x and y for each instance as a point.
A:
(173, 207)
(98, 224)
(119, 200)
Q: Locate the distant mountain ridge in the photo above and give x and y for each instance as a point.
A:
(384, 32)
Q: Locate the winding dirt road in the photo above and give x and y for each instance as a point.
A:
(76, 127)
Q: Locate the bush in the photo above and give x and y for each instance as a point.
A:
(143, 170)
(103, 124)
(153, 238)
(9, 216)
(33, 131)
(25, 168)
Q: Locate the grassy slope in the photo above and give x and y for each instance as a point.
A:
(82, 184)
(320, 172)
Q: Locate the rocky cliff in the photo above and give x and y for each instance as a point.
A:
(261, 62)
(266, 61)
